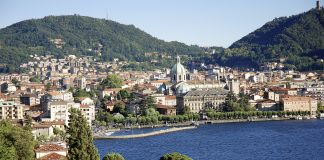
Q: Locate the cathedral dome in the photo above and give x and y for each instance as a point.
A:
(178, 72)
(182, 88)
(178, 69)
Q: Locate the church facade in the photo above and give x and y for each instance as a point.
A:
(194, 94)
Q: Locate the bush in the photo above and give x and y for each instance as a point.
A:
(175, 156)
(113, 156)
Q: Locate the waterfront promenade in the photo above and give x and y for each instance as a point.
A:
(146, 134)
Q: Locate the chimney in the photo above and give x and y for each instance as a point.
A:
(318, 5)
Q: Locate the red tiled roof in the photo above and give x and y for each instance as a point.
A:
(53, 122)
(266, 101)
(170, 97)
(53, 156)
(49, 147)
(159, 81)
(282, 89)
(113, 89)
(84, 106)
(165, 107)
(41, 126)
(295, 98)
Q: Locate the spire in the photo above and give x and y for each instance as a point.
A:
(178, 59)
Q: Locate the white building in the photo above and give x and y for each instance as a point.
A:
(55, 96)
(82, 83)
(11, 110)
(178, 72)
(59, 111)
(51, 151)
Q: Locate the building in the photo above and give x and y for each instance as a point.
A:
(297, 103)
(46, 128)
(197, 100)
(51, 150)
(182, 81)
(111, 92)
(234, 86)
(8, 87)
(55, 96)
(29, 99)
(89, 112)
(11, 110)
(266, 105)
(42, 130)
(178, 72)
(82, 83)
(284, 91)
(272, 96)
(166, 110)
(59, 111)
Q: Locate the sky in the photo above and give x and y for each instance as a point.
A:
(197, 22)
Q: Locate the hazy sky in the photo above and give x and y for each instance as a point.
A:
(201, 22)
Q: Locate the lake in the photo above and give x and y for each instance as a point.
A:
(298, 139)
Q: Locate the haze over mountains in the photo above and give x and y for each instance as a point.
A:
(299, 40)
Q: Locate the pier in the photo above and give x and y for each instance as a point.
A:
(146, 134)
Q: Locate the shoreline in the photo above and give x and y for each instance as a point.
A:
(169, 130)
(181, 126)
(243, 120)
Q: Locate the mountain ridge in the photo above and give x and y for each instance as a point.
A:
(83, 35)
(299, 39)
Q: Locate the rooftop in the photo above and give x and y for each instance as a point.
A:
(209, 92)
(53, 156)
(49, 147)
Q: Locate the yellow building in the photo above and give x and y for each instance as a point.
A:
(11, 110)
(197, 100)
(297, 103)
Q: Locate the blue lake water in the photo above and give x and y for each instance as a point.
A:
(302, 139)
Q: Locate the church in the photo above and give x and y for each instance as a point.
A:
(182, 82)
(207, 93)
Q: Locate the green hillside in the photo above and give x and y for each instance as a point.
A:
(80, 35)
(298, 39)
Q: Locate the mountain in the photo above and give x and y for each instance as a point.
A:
(80, 35)
(298, 39)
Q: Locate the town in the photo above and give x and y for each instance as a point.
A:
(123, 99)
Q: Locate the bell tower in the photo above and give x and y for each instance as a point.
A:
(318, 7)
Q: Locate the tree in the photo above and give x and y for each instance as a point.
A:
(175, 156)
(146, 103)
(230, 102)
(80, 138)
(112, 81)
(185, 110)
(124, 94)
(81, 93)
(119, 108)
(35, 79)
(48, 86)
(15, 82)
(15, 142)
(113, 156)
(320, 107)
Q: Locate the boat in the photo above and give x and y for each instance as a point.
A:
(299, 118)
(109, 133)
